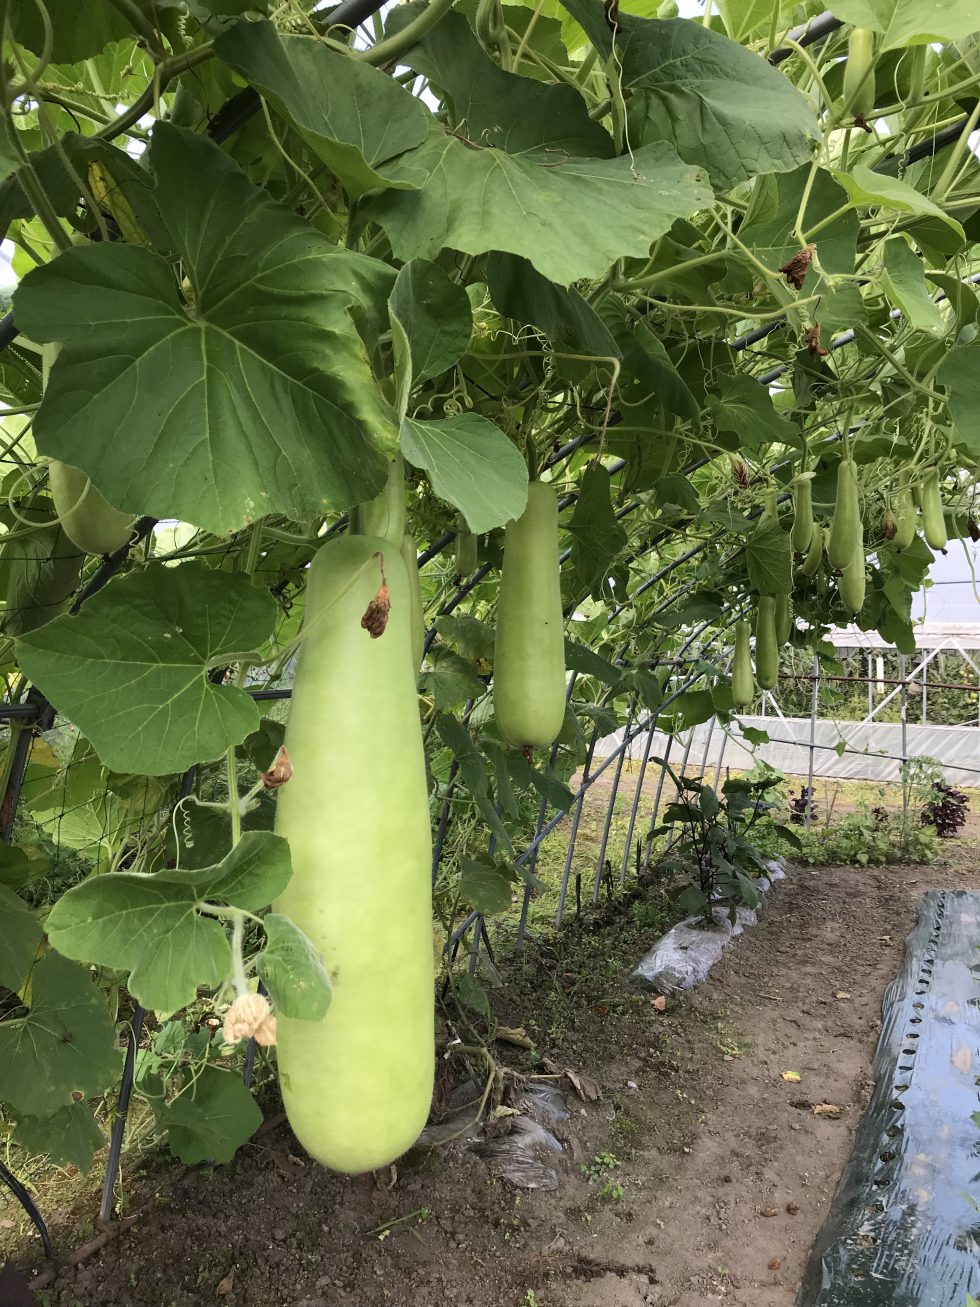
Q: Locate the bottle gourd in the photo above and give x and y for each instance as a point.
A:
(357, 1084)
(905, 512)
(846, 529)
(933, 521)
(529, 650)
(743, 679)
(766, 649)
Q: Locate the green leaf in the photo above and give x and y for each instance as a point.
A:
(255, 397)
(473, 771)
(473, 995)
(476, 200)
(597, 535)
(876, 190)
(203, 835)
(211, 1120)
(78, 31)
(262, 746)
(19, 939)
(580, 658)
(472, 465)
(960, 374)
(498, 110)
(472, 638)
(754, 735)
(150, 925)
(550, 787)
(451, 680)
(904, 283)
(353, 116)
(484, 886)
(563, 315)
(65, 1045)
(130, 670)
(431, 324)
(961, 296)
(744, 408)
(69, 1137)
(768, 231)
(693, 708)
(19, 865)
(9, 157)
(769, 559)
(293, 971)
(911, 22)
(723, 107)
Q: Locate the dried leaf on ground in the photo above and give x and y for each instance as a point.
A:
(586, 1088)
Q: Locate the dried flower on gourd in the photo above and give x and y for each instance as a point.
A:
(375, 617)
(890, 527)
(249, 1017)
(814, 348)
(796, 268)
(280, 771)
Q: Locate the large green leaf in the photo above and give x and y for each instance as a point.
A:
(744, 408)
(19, 939)
(352, 115)
(769, 559)
(911, 22)
(69, 1136)
(597, 534)
(876, 190)
(485, 885)
(130, 670)
(905, 285)
(450, 679)
(78, 30)
(570, 217)
(65, 1045)
(723, 107)
(151, 926)
(211, 1120)
(254, 396)
(431, 322)
(565, 316)
(472, 465)
(293, 971)
(496, 109)
(960, 374)
(768, 231)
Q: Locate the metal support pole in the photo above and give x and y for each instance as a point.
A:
(648, 844)
(905, 746)
(814, 704)
(871, 688)
(573, 833)
(637, 795)
(129, 1072)
(610, 810)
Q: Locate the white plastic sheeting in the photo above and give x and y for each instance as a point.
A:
(873, 749)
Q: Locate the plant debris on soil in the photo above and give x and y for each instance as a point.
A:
(701, 1173)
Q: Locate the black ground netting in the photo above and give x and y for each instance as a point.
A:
(904, 1227)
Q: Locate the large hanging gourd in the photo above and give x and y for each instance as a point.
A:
(357, 1084)
(766, 648)
(529, 650)
(845, 531)
(743, 678)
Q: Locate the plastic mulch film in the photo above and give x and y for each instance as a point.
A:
(683, 957)
(904, 1226)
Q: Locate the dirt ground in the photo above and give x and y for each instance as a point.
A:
(709, 1174)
